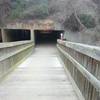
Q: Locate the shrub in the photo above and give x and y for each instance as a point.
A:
(87, 20)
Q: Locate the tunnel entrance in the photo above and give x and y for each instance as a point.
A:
(47, 36)
(12, 35)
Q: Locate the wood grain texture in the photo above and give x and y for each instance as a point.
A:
(84, 67)
(89, 76)
(13, 53)
(92, 51)
(40, 77)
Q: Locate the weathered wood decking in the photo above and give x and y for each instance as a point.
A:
(40, 77)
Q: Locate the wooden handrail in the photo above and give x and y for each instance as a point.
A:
(95, 82)
(83, 63)
(91, 51)
(15, 52)
(12, 44)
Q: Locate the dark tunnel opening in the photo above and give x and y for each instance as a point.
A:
(13, 35)
(0, 36)
(47, 36)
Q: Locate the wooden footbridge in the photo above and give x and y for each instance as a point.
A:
(65, 71)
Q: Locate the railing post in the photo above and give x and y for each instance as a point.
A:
(83, 64)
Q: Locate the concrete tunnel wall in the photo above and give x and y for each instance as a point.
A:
(14, 35)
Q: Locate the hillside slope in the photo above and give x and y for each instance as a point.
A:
(79, 18)
(22, 9)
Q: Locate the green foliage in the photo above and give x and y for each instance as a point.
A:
(17, 8)
(87, 20)
(37, 9)
(40, 11)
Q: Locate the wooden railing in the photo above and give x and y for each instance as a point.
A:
(12, 53)
(82, 62)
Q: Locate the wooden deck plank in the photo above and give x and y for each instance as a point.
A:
(40, 77)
